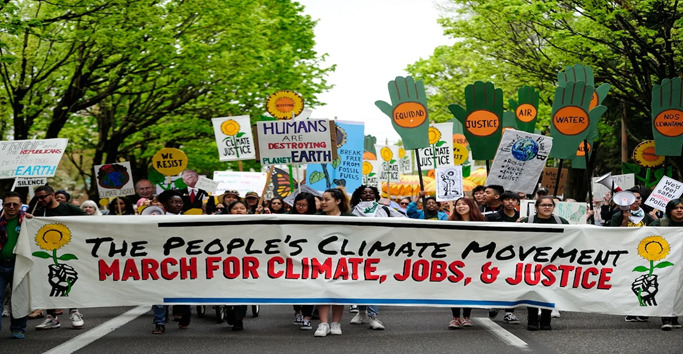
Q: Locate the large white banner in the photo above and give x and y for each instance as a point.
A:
(65, 262)
(31, 158)
(234, 138)
(519, 161)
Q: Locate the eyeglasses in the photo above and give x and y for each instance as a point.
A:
(638, 198)
(301, 206)
(11, 205)
(545, 205)
(403, 203)
(41, 197)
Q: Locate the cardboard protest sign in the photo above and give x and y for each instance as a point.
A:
(666, 189)
(169, 161)
(405, 160)
(369, 152)
(289, 258)
(371, 173)
(408, 111)
(625, 181)
(481, 118)
(520, 160)
(207, 184)
(461, 152)
(29, 182)
(525, 109)
(580, 72)
(284, 104)
(234, 138)
(440, 150)
(346, 169)
(30, 158)
(242, 182)
(388, 158)
(296, 141)
(645, 156)
(667, 117)
(448, 183)
(549, 177)
(114, 179)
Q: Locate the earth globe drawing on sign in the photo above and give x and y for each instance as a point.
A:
(525, 149)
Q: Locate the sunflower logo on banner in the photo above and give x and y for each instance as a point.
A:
(61, 277)
(652, 248)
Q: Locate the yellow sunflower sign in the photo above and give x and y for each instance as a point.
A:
(50, 238)
(652, 248)
(285, 104)
(439, 153)
(234, 138)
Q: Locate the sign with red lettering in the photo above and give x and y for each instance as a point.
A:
(65, 262)
(296, 141)
(30, 158)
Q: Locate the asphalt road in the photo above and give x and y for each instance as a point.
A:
(408, 330)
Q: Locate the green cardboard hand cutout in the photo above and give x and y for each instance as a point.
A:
(667, 117)
(408, 111)
(482, 118)
(510, 120)
(525, 108)
(571, 122)
(583, 73)
(369, 145)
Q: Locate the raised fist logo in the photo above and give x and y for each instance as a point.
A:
(61, 277)
(646, 287)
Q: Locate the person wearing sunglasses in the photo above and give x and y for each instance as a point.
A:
(10, 223)
(544, 215)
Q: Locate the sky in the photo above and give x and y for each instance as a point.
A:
(371, 42)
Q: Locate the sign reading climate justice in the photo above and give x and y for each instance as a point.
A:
(65, 262)
(31, 158)
(296, 141)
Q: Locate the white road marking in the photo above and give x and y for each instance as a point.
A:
(98, 332)
(501, 333)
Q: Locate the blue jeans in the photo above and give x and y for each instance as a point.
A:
(373, 310)
(16, 324)
(160, 314)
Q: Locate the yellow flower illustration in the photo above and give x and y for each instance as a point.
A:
(285, 104)
(386, 154)
(230, 127)
(434, 135)
(653, 248)
(53, 236)
(367, 168)
(401, 153)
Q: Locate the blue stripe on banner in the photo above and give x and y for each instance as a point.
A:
(267, 300)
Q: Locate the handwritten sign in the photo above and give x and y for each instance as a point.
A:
(30, 158)
(345, 170)
(296, 141)
(389, 167)
(667, 189)
(519, 161)
(114, 179)
(439, 153)
(549, 177)
(448, 183)
(169, 161)
(207, 184)
(241, 181)
(624, 181)
(234, 138)
(371, 173)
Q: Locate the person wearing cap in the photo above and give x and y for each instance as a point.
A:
(251, 199)
(62, 196)
(224, 199)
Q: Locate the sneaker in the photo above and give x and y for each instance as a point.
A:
(49, 323)
(306, 324)
(631, 318)
(642, 318)
(454, 324)
(353, 309)
(493, 313)
(510, 318)
(359, 318)
(466, 322)
(375, 323)
(323, 330)
(76, 319)
(159, 329)
(298, 319)
(674, 323)
(555, 314)
(17, 335)
(5, 311)
(666, 326)
(335, 328)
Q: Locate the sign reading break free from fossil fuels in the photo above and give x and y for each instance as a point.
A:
(296, 141)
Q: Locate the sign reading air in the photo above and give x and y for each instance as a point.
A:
(409, 114)
(571, 120)
(482, 123)
(526, 112)
(669, 122)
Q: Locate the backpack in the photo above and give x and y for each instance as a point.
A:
(531, 218)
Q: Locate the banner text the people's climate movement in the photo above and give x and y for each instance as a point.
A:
(65, 262)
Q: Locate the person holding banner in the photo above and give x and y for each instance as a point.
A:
(333, 203)
(431, 209)
(121, 206)
(674, 217)
(544, 215)
(235, 314)
(634, 216)
(304, 203)
(465, 210)
(10, 224)
(276, 206)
